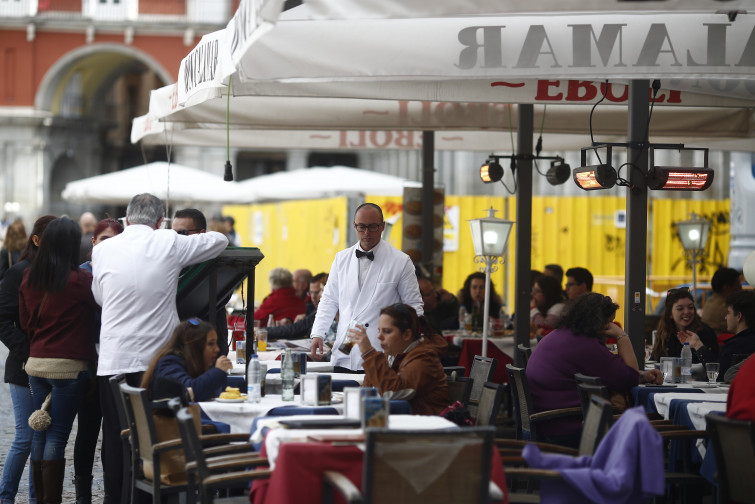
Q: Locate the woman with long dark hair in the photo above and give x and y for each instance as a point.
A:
(410, 359)
(472, 298)
(680, 315)
(577, 346)
(18, 345)
(547, 304)
(56, 310)
(190, 358)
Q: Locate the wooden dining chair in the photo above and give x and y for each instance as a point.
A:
(524, 481)
(483, 370)
(208, 474)
(527, 421)
(525, 353)
(490, 404)
(459, 389)
(401, 467)
(145, 447)
(115, 383)
(734, 448)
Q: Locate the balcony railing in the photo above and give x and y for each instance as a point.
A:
(200, 12)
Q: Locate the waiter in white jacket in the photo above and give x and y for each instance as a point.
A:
(363, 279)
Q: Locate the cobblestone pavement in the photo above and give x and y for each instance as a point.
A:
(7, 431)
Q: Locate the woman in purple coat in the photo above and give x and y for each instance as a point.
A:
(578, 346)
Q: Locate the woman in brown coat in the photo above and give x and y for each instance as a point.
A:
(410, 360)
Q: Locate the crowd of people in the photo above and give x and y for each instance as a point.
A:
(83, 302)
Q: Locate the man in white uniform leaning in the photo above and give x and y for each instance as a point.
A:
(363, 279)
(135, 279)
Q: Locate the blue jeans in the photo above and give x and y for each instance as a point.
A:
(50, 444)
(19, 449)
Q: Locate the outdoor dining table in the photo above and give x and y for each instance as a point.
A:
(500, 348)
(239, 415)
(298, 463)
(689, 409)
(643, 395)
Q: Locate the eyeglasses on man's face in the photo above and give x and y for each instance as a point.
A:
(187, 232)
(364, 227)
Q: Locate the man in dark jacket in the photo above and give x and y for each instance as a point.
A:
(740, 319)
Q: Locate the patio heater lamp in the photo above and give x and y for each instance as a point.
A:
(693, 234)
(489, 235)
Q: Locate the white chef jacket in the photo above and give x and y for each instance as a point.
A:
(391, 279)
(135, 280)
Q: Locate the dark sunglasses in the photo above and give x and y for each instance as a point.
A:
(187, 232)
(194, 321)
(679, 290)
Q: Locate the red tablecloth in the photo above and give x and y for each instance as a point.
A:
(297, 477)
(473, 346)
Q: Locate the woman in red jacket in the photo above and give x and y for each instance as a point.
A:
(56, 310)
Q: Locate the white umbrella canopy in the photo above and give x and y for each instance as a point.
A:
(347, 9)
(318, 182)
(169, 182)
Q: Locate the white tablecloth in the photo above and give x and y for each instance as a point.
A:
(697, 412)
(663, 400)
(276, 437)
(505, 344)
(240, 415)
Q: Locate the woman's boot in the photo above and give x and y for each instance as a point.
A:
(36, 480)
(83, 485)
(53, 472)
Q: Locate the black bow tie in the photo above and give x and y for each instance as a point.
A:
(369, 255)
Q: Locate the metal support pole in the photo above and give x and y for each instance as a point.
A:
(523, 230)
(428, 186)
(635, 260)
(485, 315)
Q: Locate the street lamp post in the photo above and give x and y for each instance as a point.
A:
(693, 234)
(489, 235)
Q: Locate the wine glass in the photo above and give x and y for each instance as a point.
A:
(711, 368)
(667, 367)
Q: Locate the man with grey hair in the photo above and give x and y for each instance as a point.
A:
(135, 279)
(282, 303)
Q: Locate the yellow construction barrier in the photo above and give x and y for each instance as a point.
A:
(585, 231)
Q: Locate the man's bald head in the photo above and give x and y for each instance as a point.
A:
(87, 222)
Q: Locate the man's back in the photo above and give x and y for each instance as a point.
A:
(135, 278)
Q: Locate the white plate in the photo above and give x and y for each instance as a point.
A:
(243, 399)
(238, 369)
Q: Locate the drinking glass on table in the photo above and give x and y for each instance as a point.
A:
(261, 339)
(241, 352)
(711, 369)
(667, 368)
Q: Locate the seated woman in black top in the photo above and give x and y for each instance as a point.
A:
(680, 318)
(190, 358)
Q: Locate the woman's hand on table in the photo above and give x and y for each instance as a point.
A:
(224, 363)
(359, 336)
(652, 376)
(689, 337)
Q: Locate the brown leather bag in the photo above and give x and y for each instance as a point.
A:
(173, 462)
